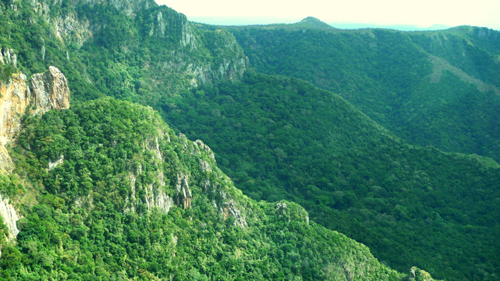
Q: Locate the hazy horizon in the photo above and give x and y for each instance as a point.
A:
(239, 21)
(421, 14)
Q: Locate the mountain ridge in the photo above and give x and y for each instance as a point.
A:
(234, 217)
(403, 92)
(269, 133)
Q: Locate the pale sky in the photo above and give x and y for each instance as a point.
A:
(421, 13)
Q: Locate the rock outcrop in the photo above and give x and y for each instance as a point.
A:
(14, 99)
(128, 7)
(184, 40)
(50, 90)
(158, 199)
(8, 56)
(71, 29)
(9, 216)
(65, 26)
(291, 211)
(184, 195)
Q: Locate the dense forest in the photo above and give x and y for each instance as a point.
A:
(107, 190)
(100, 216)
(437, 88)
(281, 138)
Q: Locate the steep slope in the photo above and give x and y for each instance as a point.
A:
(437, 88)
(132, 199)
(279, 138)
(134, 50)
(153, 55)
(18, 96)
(21, 98)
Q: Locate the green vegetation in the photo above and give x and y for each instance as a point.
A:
(142, 58)
(83, 228)
(281, 138)
(437, 88)
(102, 213)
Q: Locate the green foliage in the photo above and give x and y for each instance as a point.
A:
(395, 78)
(281, 138)
(83, 227)
(11, 186)
(140, 58)
(277, 138)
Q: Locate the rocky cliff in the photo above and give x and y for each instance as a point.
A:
(70, 27)
(417, 274)
(47, 91)
(14, 100)
(50, 90)
(8, 56)
(128, 7)
(193, 56)
(9, 216)
(168, 191)
(44, 92)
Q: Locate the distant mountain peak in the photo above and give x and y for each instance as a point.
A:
(311, 20)
(314, 23)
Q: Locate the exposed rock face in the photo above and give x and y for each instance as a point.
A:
(205, 167)
(7, 56)
(230, 209)
(228, 59)
(14, 99)
(281, 208)
(184, 195)
(50, 90)
(70, 28)
(56, 162)
(128, 7)
(170, 23)
(9, 216)
(67, 27)
(158, 199)
(202, 147)
(224, 203)
(230, 64)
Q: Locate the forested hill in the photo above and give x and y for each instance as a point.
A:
(130, 199)
(282, 138)
(437, 88)
(309, 23)
(133, 50)
(107, 190)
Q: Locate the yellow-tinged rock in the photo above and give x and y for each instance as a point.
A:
(15, 98)
(47, 90)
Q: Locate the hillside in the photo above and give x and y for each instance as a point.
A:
(282, 138)
(309, 23)
(438, 88)
(130, 199)
(136, 51)
(106, 190)
(279, 139)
